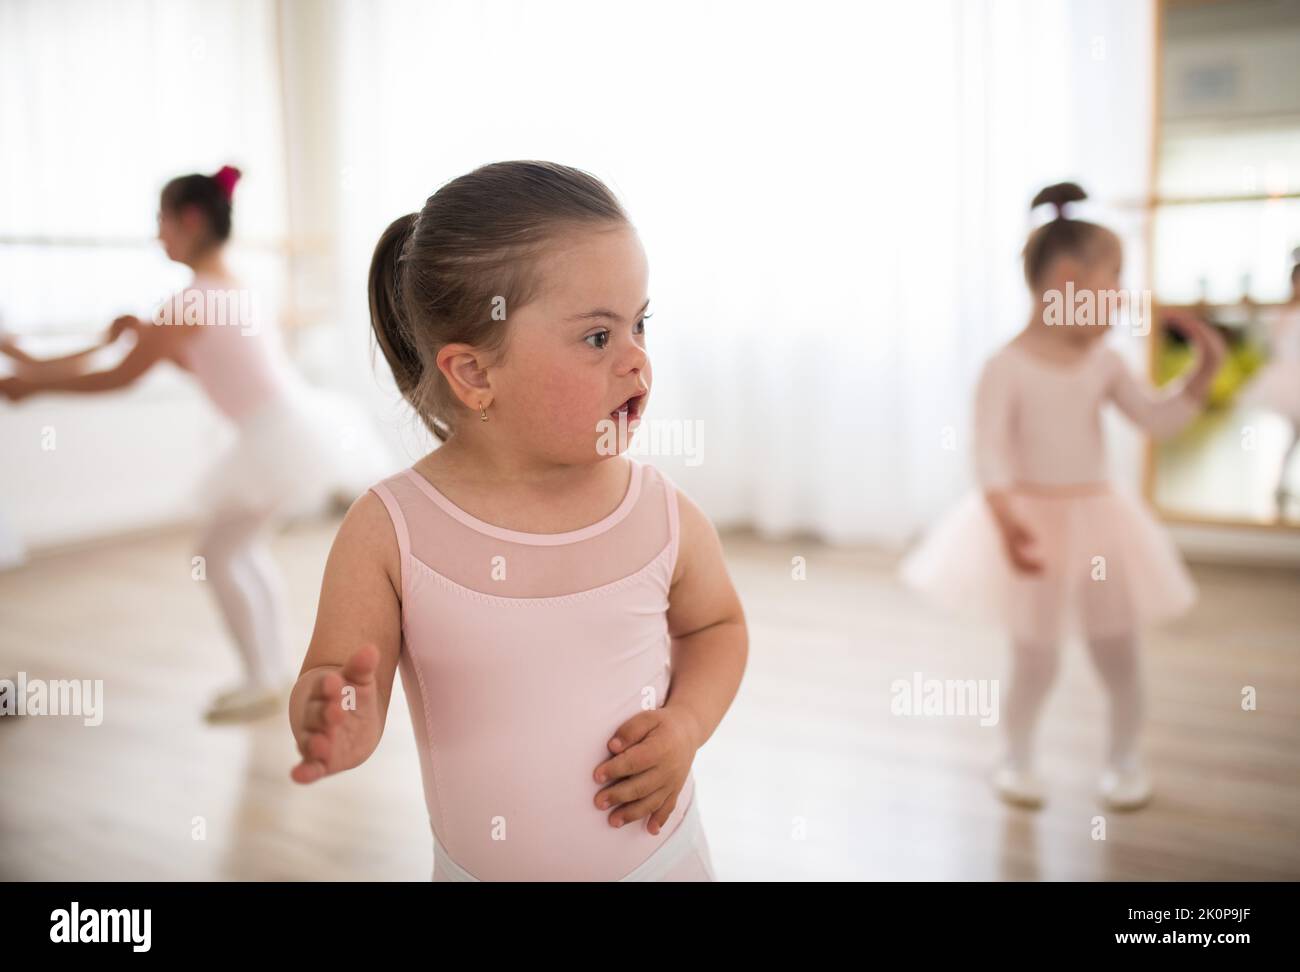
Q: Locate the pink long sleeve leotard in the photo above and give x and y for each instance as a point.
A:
(1039, 424)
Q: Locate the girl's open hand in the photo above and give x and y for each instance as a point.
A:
(341, 723)
(653, 755)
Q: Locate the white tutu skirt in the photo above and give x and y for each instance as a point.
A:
(278, 464)
(1108, 566)
(1277, 388)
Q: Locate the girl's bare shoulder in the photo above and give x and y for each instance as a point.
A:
(366, 541)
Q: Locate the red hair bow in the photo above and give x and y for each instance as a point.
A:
(227, 178)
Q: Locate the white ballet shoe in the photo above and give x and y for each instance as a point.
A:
(1018, 787)
(231, 691)
(243, 687)
(247, 702)
(1125, 787)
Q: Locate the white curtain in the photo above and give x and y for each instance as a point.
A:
(833, 197)
(100, 104)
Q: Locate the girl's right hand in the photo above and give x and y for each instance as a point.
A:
(1018, 542)
(14, 389)
(9, 346)
(341, 722)
(127, 322)
(1016, 537)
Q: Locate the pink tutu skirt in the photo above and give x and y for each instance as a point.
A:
(1277, 388)
(1108, 567)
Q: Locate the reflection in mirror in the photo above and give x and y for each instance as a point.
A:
(1226, 245)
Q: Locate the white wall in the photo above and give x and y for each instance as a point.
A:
(76, 468)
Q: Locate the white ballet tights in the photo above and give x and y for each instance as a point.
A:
(1034, 669)
(1116, 661)
(1287, 455)
(1034, 665)
(249, 592)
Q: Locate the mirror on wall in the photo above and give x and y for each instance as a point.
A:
(1225, 243)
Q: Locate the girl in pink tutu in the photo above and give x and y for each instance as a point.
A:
(1046, 544)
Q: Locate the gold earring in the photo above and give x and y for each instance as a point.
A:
(482, 412)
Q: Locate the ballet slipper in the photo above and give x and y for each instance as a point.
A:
(1125, 787)
(231, 691)
(247, 685)
(248, 702)
(1018, 787)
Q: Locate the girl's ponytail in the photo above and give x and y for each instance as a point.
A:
(1059, 196)
(388, 316)
(1059, 236)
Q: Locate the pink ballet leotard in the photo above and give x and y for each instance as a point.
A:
(238, 361)
(235, 355)
(1039, 424)
(521, 655)
(1108, 565)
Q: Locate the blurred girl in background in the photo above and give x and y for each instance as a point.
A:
(1047, 539)
(212, 330)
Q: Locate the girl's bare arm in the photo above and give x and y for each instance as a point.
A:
(153, 344)
(340, 701)
(707, 623)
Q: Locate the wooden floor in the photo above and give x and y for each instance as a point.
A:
(810, 777)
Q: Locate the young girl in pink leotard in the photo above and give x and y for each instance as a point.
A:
(561, 614)
(1046, 538)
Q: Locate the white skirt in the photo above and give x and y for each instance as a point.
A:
(1277, 388)
(278, 462)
